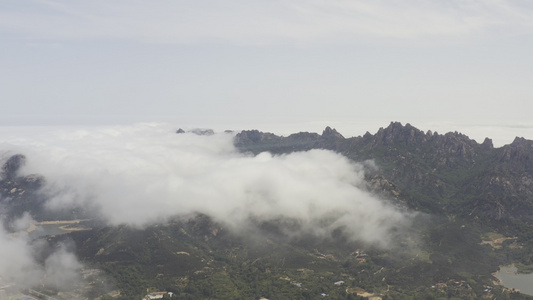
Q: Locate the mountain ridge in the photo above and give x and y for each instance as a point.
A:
(433, 172)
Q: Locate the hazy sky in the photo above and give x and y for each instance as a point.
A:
(445, 65)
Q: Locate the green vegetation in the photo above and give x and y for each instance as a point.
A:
(189, 260)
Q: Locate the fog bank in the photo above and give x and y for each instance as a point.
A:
(146, 173)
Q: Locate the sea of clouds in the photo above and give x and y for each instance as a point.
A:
(146, 173)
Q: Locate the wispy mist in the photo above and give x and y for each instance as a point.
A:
(21, 268)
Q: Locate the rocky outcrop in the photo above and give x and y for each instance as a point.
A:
(256, 141)
(331, 133)
(19, 193)
(12, 165)
(519, 155)
(255, 136)
(396, 134)
(197, 131)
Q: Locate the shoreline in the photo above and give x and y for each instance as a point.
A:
(510, 279)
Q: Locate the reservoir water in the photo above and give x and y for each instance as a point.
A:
(511, 279)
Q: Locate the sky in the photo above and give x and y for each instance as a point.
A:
(274, 65)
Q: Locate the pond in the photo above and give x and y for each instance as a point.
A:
(511, 279)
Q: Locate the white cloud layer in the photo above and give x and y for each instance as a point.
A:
(19, 266)
(147, 173)
(20, 258)
(263, 22)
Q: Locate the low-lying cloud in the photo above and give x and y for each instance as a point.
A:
(145, 174)
(20, 267)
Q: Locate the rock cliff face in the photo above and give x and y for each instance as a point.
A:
(12, 165)
(518, 154)
(448, 173)
(18, 193)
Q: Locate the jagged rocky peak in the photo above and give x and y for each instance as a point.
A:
(303, 135)
(197, 131)
(457, 144)
(447, 150)
(457, 139)
(487, 143)
(16, 187)
(397, 133)
(521, 142)
(331, 132)
(253, 136)
(12, 165)
(520, 150)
